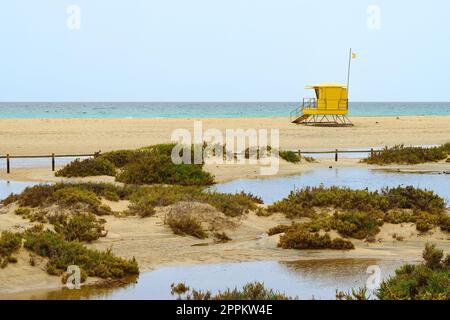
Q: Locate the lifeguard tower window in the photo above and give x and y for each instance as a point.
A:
(328, 108)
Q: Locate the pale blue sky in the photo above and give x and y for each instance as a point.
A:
(222, 50)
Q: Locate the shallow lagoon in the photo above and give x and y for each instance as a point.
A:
(271, 190)
(303, 279)
(316, 279)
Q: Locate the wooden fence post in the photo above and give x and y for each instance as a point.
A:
(371, 152)
(336, 155)
(53, 162)
(7, 164)
(299, 153)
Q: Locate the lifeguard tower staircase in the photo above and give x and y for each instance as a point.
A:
(328, 108)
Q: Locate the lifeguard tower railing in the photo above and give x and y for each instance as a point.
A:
(311, 103)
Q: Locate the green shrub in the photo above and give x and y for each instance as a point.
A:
(161, 196)
(263, 212)
(295, 238)
(408, 155)
(250, 291)
(11, 198)
(80, 227)
(120, 158)
(290, 156)
(35, 196)
(358, 225)
(37, 216)
(221, 237)
(102, 210)
(23, 211)
(9, 244)
(97, 166)
(157, 168)
(300, 203)
(423, 225)
(445, 223)
(397, 217)
(62, 253)
(109, 191)
(72, 196)
(186, 225)
(111, 196)
(281, 228)
(358, 294)
(413, 198)
(432, 256)
(427, 281)
(231, 205)
(142, 208)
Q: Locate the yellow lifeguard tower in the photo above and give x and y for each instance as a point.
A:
(329, 107)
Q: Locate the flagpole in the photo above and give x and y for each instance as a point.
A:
(348, 74)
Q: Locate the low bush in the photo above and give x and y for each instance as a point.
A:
(296, 238)
(33, 197)
(72, 196)
(408, 155)
(156, 168)
(9, 244)
(427, 281)
(281, 228)
(96, 166)
(185, 225)
(109, 191)
(80, 227)
(143, 208)
(263, 212)
(62, 253)
(290, 156)
(161, 196)
(445, 223)
(300, 203)
(221, 237)
(250, 291)
(231, 205)
(23, 212)
(120, 158)
(397, 217)
(358, 225)
(358, 294)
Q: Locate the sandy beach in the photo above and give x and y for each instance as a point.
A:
(62, 136)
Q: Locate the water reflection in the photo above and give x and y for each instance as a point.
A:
(317, 279)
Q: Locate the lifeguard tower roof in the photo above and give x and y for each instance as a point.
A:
(325, 85)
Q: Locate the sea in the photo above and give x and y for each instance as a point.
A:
(130, 110)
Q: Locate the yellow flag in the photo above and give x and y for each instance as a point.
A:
(353, 55)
